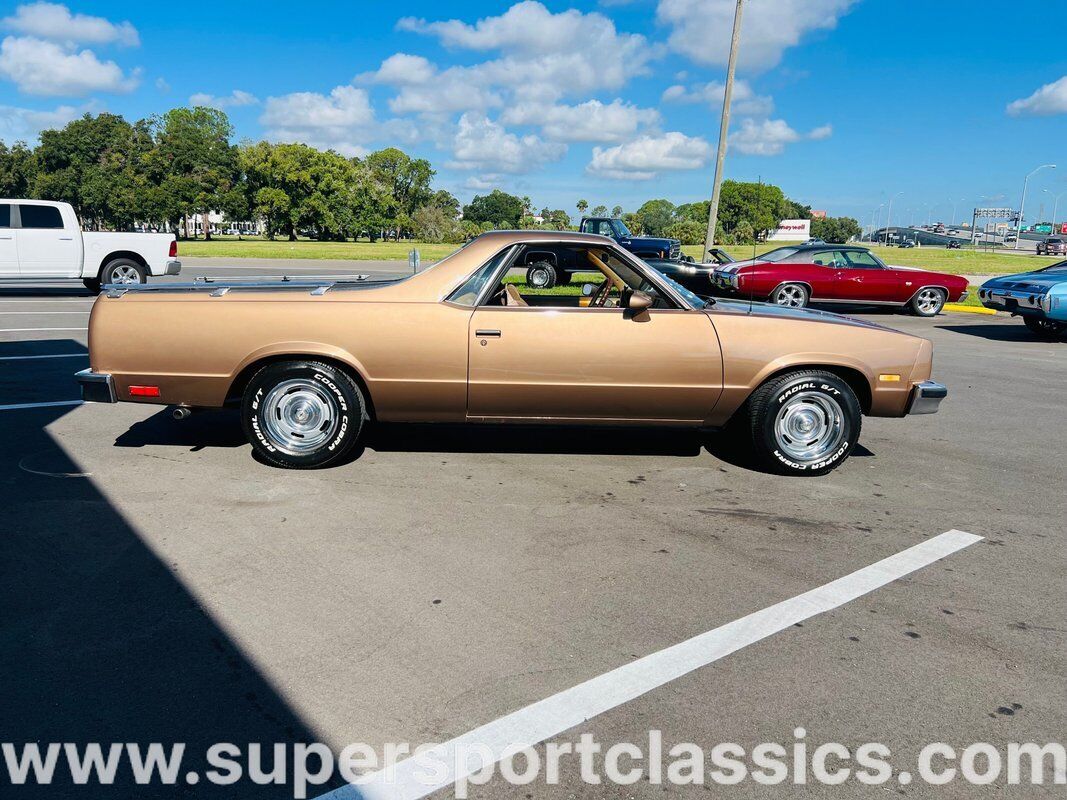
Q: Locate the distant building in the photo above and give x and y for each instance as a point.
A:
(818, 214)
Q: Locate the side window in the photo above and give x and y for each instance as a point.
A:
(40, 216)
(861, 260)
(471, 290)
(5, 215)
(604, 228)
(825, 258)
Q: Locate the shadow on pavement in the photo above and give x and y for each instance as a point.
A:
(1000, 333)
(66, 290)
(100, 640)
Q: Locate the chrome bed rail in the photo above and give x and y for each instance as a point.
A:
(217, 287)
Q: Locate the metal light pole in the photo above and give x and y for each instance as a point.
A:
(889, 215)
(1022, 203)
(724, 128)
(1055, 207)
(871, 237)
(954, 202)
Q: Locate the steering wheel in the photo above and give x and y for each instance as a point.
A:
(600, 297)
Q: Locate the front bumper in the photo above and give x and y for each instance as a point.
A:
(173, 268)
(926, 397)
(97, 387)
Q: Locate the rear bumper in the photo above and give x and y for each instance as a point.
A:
(926, 397)
(97, 387)
(174, 267)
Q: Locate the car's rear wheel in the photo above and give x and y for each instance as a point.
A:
(541, 275)
(804, 423)
(791, 295)
(123, 271)
(302, 414)
(1045, 327)
(928, 302)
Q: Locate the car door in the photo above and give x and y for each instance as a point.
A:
(818, 270)
(862, 278)
(9, 256)
(45, 247)
(592, 364)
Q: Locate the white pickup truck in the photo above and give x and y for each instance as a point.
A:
(42, 240)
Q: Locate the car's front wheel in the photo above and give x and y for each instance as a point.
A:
(791, 295)
(927, 302)
(302, 414)
(804, 423)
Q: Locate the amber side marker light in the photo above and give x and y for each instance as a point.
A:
(889, 378)
(144, 391)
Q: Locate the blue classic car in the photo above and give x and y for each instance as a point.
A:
(1039, 297)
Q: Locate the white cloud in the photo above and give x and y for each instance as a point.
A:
(483, 145)
(162, 85)
(770, 136)
(234, 99)
(25, 124)
(45, 68)
(591, 121)
(342, 120)
(1048, 100)
(744, 100)
(647, 156)
(545, 56)
(701, 29)
(403, 69)
(54, 21)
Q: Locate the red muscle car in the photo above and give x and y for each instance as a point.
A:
(827, 273)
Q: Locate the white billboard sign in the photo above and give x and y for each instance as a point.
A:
(791, 230)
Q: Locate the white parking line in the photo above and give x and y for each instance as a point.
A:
(24, 330)
(20, 406)
(51, 355)
(410, 779)
(43, 313)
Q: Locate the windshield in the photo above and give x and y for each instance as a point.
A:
(692, 299)
(620, 229)
(781, 254)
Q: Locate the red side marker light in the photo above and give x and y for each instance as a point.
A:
(144, 391)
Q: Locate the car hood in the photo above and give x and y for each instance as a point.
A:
(801, 314)
(657, 239)
(1026, 281)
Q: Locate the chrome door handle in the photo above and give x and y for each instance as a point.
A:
(66, 238)
(5, 237)
(487, 334)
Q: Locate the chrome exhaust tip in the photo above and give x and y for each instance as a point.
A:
(181, 412)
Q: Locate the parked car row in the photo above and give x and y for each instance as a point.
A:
(797, 275)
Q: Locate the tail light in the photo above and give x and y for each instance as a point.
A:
(173, 248)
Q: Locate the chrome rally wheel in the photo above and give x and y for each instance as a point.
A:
(928, 302)
(809, 426)
(299, 416)
(791, 295)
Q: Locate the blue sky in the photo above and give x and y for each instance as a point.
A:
(843, 103)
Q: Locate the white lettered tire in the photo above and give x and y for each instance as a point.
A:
(302, 414)
(804, 423)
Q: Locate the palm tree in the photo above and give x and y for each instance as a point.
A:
(616, 212)
(582, 206)
(526, 203)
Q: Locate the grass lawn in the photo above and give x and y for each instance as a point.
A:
(230, 247)
(960, 262)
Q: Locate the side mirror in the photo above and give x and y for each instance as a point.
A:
(588, 289)
(637, 301)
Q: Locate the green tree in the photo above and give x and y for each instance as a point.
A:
(616, 212)
(763, 206)
(433, 224)
(18, 170)
(836, 230)
(558, 219)
(600, 211)
(582, 205)
(497, 207)
(97, 164)
(687, 231)
(407, 178)
(447, 202)
(194, 160)
(656, 216)
(697, 212)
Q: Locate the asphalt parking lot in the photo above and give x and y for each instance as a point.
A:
(157, 584)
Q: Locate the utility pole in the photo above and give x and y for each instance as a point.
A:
(889, 215)
(724, 128)
(1022, 203)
